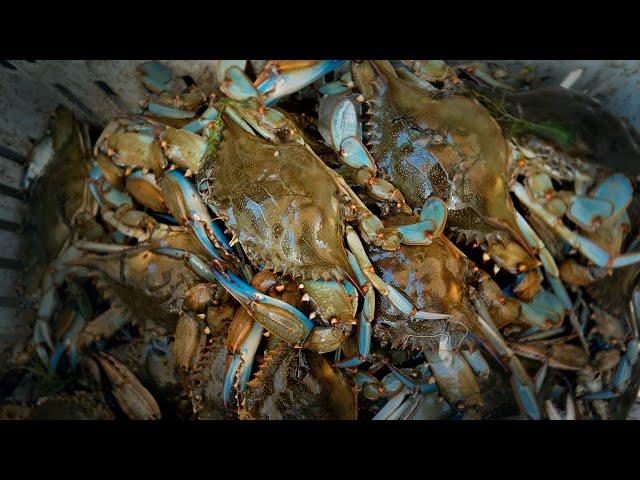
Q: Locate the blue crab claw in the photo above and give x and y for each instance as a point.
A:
(433, 218)
(237, 86)
(224, 65)
(239, 368)
(587, 247)
(616, 189)
(278, 317)
(477, 362)
(344, 123)
(339, 125)
(588, 212)
(155, 76)
(544, 311)
(280, 78)
(366, 317)
(186, 206)
(354, 154)
(104, 193)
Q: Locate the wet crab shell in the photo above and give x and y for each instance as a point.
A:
(450, 147)
(280, 203)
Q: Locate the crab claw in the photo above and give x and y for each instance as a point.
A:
(236, 84)
(278, 317)
(184, 203)
(544, 311)
(104, 193)
(197, 125)
(393, 295)
(587, 247)
(239, 368)
(280, 78)
(155, 76)
(433, 218)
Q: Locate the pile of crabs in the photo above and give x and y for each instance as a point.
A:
(330, 240)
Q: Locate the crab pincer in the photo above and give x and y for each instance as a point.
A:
(280, 78)
(185, 204)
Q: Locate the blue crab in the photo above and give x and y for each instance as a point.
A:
(447, 148)
(439, 277)
(61, 211)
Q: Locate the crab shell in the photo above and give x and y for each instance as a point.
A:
(450, 147)
(294, 384)
(436, 277)
(280, 203)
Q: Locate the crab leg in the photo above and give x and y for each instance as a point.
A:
(622, 376)
(185, 204)
(421, 387)
(396, 298)
(549, 264)
(392, 406)
(241, 362)
(279, 317)
(197, 125)
(588, 248)
(521, 383)
(68, 342)
(280, 78)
